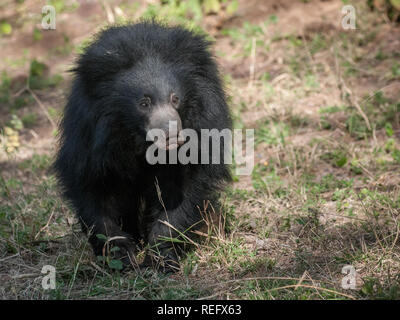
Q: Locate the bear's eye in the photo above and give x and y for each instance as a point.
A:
(145, 103)
(174, 99)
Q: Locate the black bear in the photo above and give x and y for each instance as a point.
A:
(129, 80)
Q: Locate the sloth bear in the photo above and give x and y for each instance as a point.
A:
(129, 80)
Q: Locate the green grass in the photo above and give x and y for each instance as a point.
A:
(324, 191)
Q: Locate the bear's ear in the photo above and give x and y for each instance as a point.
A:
(97, 64)
(106, 56)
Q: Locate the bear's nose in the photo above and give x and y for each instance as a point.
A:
(166, 119)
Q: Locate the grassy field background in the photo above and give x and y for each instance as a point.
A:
(325, 190)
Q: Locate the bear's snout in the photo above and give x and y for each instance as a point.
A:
(164, 127)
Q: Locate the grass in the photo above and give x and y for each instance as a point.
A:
(324, 192)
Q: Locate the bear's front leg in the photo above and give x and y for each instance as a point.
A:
(112, 242)
(169, 229)
(101, 221)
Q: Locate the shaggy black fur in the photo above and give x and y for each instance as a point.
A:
(101, 163)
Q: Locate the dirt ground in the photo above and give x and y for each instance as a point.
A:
(324, 192)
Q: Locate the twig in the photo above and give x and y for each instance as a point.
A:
(207, 235)
(42, 107)
(267, 278)
(343, 87)
(160, 199)
(9, 257)
(46, 226)
(26, 275)
(308, 52)
(253, 62)
(312, 287)
(180, 233)
(301, 280)
(99, 269)
(109, 13)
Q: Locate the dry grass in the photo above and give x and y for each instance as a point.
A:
(324, 192)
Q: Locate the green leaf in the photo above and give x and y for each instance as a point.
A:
(341, 161)
(354, 167)
(101, 237)
(16, 122)
(114, 249)
(37, 34)
(37, 68)
(396, 155)
(101, 259)
(5, 28)
(389, 129)
(115, 264)
(390, 145)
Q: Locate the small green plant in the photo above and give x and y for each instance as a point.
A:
(5, 28)
(396, 70)
(357, 127)
(37, 34)
(5, 88)
(38, 78)
(271, 133)
(114, 264)
(318, 43)
(64, 6)
(337, 158)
